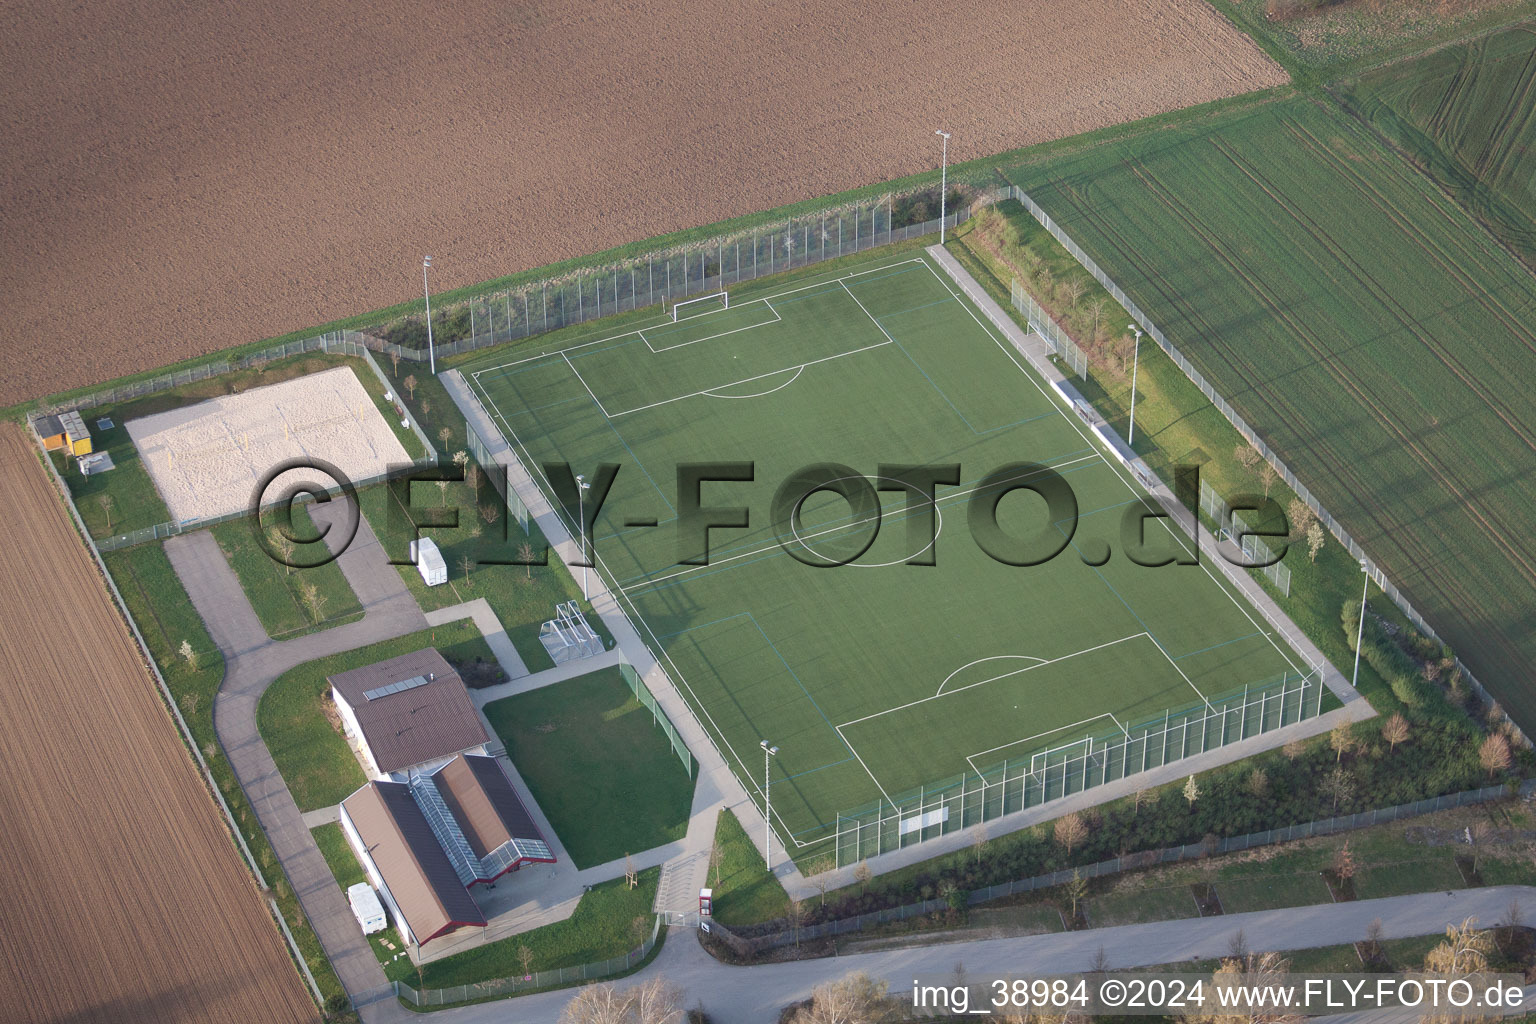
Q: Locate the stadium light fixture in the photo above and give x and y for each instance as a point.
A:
(943, 179)
(768, 753)
(1135, 365)
(426, 265)
(582, 487)
(1360, 630)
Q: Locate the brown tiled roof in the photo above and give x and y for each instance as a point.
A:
(414, 867)
(415, 725)
(484, 803)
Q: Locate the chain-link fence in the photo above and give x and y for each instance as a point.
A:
(1041, 322)
(499, 987)
(745, 942)
(1224, 407)
(1227, 524)
(643, 695)
(1037, 776)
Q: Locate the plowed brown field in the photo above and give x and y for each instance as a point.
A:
(121, 896)
(178, 178)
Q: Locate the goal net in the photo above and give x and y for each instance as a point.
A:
(700, 304)
(1073, 753)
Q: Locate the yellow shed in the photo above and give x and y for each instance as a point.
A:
(77, 440)
(51, 431)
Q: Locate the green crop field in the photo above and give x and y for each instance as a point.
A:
(1377, 338)
(1466, 114)
(879, 677)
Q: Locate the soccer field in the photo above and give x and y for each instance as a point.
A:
(879, 678)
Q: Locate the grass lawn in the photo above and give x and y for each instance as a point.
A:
(598, 766)
(745, 891)
(1242, 893)
(522, 596)
(1024, 919)
(1135, 905)
(1507, 870)
(313, 757)
(604, 925)
(281, 595)
(135, 502)
(1436, 872)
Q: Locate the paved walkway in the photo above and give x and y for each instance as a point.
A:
(754, 995)
(479, 612)
(548, 677)
(252, 662)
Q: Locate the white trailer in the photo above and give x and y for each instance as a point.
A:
(367, 908)
(429, 561)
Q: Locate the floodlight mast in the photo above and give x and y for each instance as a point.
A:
(1135, 366)
(1360, 630)
(426, 265)
(768, 753)
(943, 179)
(582, 487)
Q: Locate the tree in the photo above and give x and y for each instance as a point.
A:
(979, 841)
(191, 702)
(394, 362)
(525, 555)
(1258, 783)
(445, 435)
(855, 999)
(1315, 539)
(656, 1001)
(1074, 291)
(442, 492)
(1395, 730)
(107, 501)
(188, 654)
(1100, 962)
(1372, 946)
(1342, 739)
(637, 929)
(1494, 754)
(525, 959)
(461, 459)
(313, 600)
(410, 386)
(1480, 833)
(1071, 830)
(1339, 786)
(862, 875)
(1075, 889)
(1464, 951)
(821, 876)
(1268, 476)
(472, 477)
(465, 565)
(426, 407)
(284, 548)
(489, 513)
(1191, 790)
(1095, 317)
(796, 915)
(631, 873)
(1344, 863)
(1301, 516)
(1294, 749)
(1247, 456)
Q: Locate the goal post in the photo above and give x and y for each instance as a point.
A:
(701, 304)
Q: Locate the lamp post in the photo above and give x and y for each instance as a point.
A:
(1360, 631)
(1135, 366)
(768, 753)
(582, 487)
(426, 265)
(943, 179)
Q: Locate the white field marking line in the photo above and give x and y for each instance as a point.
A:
(948, 499)
(1208, 705)
(978, 661)
(663, 321)
(1027, 739)
(583, 381)
(1005, 675)
(744, 380)
(852, 749)
(798, 371)
(721, 334)
(1179, 538)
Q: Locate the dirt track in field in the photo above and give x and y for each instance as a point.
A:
(179, 178)
(122, 898)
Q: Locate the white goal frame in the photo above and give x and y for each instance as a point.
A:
(723, 295)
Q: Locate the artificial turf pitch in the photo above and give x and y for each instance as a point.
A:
(877, 677)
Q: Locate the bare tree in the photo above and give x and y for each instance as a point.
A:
(1481, 833)
(1395, 729)
(410, 386)
(445, 435)
(1294, 749)
(1191, 790)
(1247, 455)
(1342, 740)
(525, 960)
(1267, 476)
(525, 555)
(442, 492)
(489, 513)
(796, 915)
(1076, 889)
(1258, 783)
(191, 702)
(426, 407)
(472, 477)
(1301, 516)
(284, 548)
(394, 362)
(979, 839)
(1373, 936)
(862, 875)
(188, 654)
(1095, 318)
(466, 563)
(1237, 948)
(1071, 830)
(855, 999)
(1315, 540)
(1464, 951)
(821, 876)
(313, 600)
(1074, 290)
(1338, 785)
(106, 501)
(1494, 754)
(1100, 962)
(1344, 863)
(656, 1001)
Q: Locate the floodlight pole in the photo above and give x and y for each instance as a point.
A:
(1360, 630)
(1135, 366)
(426, 264)
(582, 487)
(768, 753)
(943, 180)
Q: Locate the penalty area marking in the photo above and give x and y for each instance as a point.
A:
(798, 371)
